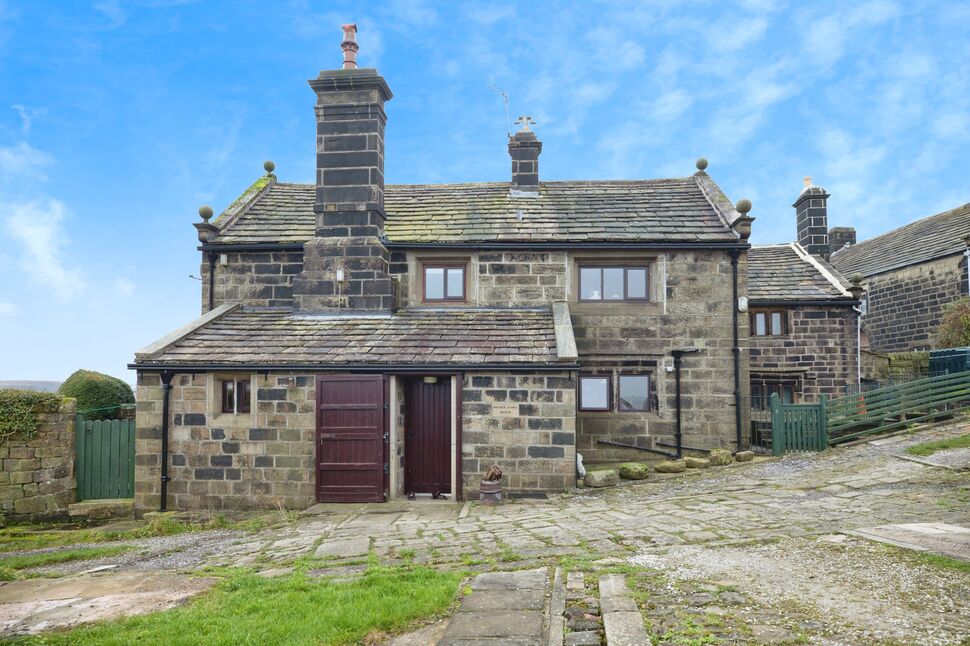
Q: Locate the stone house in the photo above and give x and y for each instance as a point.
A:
(364, 342)
(909, 275)
(804, 317)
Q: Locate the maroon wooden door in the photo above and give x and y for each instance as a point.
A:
(351, 423)
(427, 436)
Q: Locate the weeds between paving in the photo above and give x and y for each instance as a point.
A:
(929, 448)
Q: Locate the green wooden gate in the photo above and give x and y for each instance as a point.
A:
(105, 466)
(798, 427)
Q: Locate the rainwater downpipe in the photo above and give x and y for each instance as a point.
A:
(166, 391)
(678, 355)
(858, 345)
(735, 254)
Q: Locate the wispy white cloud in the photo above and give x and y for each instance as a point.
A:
(124, 287)
(825, 41)
(8, 309)
(23, 160)
(27, 116)
(112, 11)
(37, 227)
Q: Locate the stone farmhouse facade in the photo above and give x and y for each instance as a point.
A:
(909, 275)
(363, 341)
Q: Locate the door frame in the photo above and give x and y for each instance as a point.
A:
(316, 428)
(457, 384)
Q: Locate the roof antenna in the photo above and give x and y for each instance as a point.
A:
(508, 119)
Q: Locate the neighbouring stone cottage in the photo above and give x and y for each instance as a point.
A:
(910, 274)
(804, 318)
(362, 341)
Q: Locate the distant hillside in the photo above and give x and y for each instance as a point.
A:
(42, 386)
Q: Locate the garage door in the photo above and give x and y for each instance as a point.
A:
(351, 440)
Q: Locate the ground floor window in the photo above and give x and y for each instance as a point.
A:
(594, 392)
(236, 395)
(634, 392)
(761, 392)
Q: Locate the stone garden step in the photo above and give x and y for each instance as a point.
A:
(621, 619)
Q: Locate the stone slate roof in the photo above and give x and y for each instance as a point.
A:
(933, 237)
(415, 337)
(786, 272)
(690, 209)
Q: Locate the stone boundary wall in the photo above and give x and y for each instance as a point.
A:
(37, 476)
(906, 305)
(534, 443)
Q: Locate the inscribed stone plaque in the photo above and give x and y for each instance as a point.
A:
(505, 410)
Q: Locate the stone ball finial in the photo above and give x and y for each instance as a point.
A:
(856, 278)
(701, 163)
(966, 239)
(205, 212)
(743, 206)
(269, 167)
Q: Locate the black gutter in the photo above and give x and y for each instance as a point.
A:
(838, 302)
(679, 434)
(638, 448)
(405, 367)
(256, 246)
(166, 391)
(212, 280)
(736, 349)
(524, 245)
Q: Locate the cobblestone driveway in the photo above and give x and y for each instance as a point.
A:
(848, 488)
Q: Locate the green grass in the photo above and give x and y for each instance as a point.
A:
(294, 609)
(11, 564)
(929, 448)
(944, 562)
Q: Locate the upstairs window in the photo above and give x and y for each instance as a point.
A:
(613, 283)
(444, 282)
(769, 323)
(236, 396)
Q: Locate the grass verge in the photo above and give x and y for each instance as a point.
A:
(293, 609)
(929, 448)
(9, 566)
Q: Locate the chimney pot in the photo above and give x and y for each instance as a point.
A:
(350, 46)
(807, 181)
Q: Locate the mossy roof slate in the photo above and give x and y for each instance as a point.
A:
(784, 272)
(680, 210)
(932, 237)
(416, 337)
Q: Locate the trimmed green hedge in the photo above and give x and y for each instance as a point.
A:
(19, 410)
(96, 390)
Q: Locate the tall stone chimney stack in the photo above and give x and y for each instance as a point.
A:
(811, 216)
(346, 265)
(524, 149)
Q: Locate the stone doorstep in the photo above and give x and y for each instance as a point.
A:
(102, 509)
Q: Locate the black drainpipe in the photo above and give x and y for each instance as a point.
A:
(735, 254)
(678, 355)
(212, 280)
(166, 390)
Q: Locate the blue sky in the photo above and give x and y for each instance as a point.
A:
(118, 119)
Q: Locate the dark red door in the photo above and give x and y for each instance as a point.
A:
(427, 436)
(351, 422)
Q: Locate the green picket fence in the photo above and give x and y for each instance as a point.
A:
(105, 458)
(813, 427)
